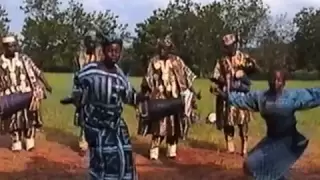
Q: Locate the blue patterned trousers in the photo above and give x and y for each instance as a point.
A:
(110, 153)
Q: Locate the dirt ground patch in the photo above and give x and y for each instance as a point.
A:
(54, 161)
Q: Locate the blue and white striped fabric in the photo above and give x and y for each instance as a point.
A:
(105, 131)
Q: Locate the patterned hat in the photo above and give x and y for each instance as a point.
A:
(229, 39)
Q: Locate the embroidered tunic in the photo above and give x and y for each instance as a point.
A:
(19, 75)
(225, 68)
(166, 79)
(283, 145)
(103, 94)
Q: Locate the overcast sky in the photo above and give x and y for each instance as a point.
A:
(134, 11)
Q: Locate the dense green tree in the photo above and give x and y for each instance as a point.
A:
(52, 34)
(307, 38)
(274, 42)
(4, 21)
(197, 29)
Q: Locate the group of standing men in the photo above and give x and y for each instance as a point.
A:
(169, 77)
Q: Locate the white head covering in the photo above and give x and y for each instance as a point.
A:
(8, 39)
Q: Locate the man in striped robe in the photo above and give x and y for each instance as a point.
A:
(226, 70)
(19, 74)
(168, 77)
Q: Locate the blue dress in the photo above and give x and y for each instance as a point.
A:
(102, 96)
(273, 156)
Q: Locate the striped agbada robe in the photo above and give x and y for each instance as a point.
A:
(19, 75)
(273, 156)
(235, 116)
(105, 130)
(228, 116)
(169, 78)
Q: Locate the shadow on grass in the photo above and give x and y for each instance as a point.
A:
(188, 172)
(209, 171)
(202, 144)
(42, 168)
(61, 137)
(141, 147)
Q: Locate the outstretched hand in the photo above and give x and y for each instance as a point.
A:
(67, 101)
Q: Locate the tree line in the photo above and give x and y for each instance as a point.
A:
(52, 33)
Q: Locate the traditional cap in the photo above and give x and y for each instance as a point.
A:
(229, 39)
(8, 39)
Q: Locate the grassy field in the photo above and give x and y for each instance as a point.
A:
(59, 119)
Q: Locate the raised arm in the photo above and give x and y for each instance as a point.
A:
(248, 101)
(305, 98)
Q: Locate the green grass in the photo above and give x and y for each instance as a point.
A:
(60, 118)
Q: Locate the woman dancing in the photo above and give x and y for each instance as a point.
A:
(273, 156)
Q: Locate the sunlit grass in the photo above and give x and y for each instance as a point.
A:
(60, 117)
